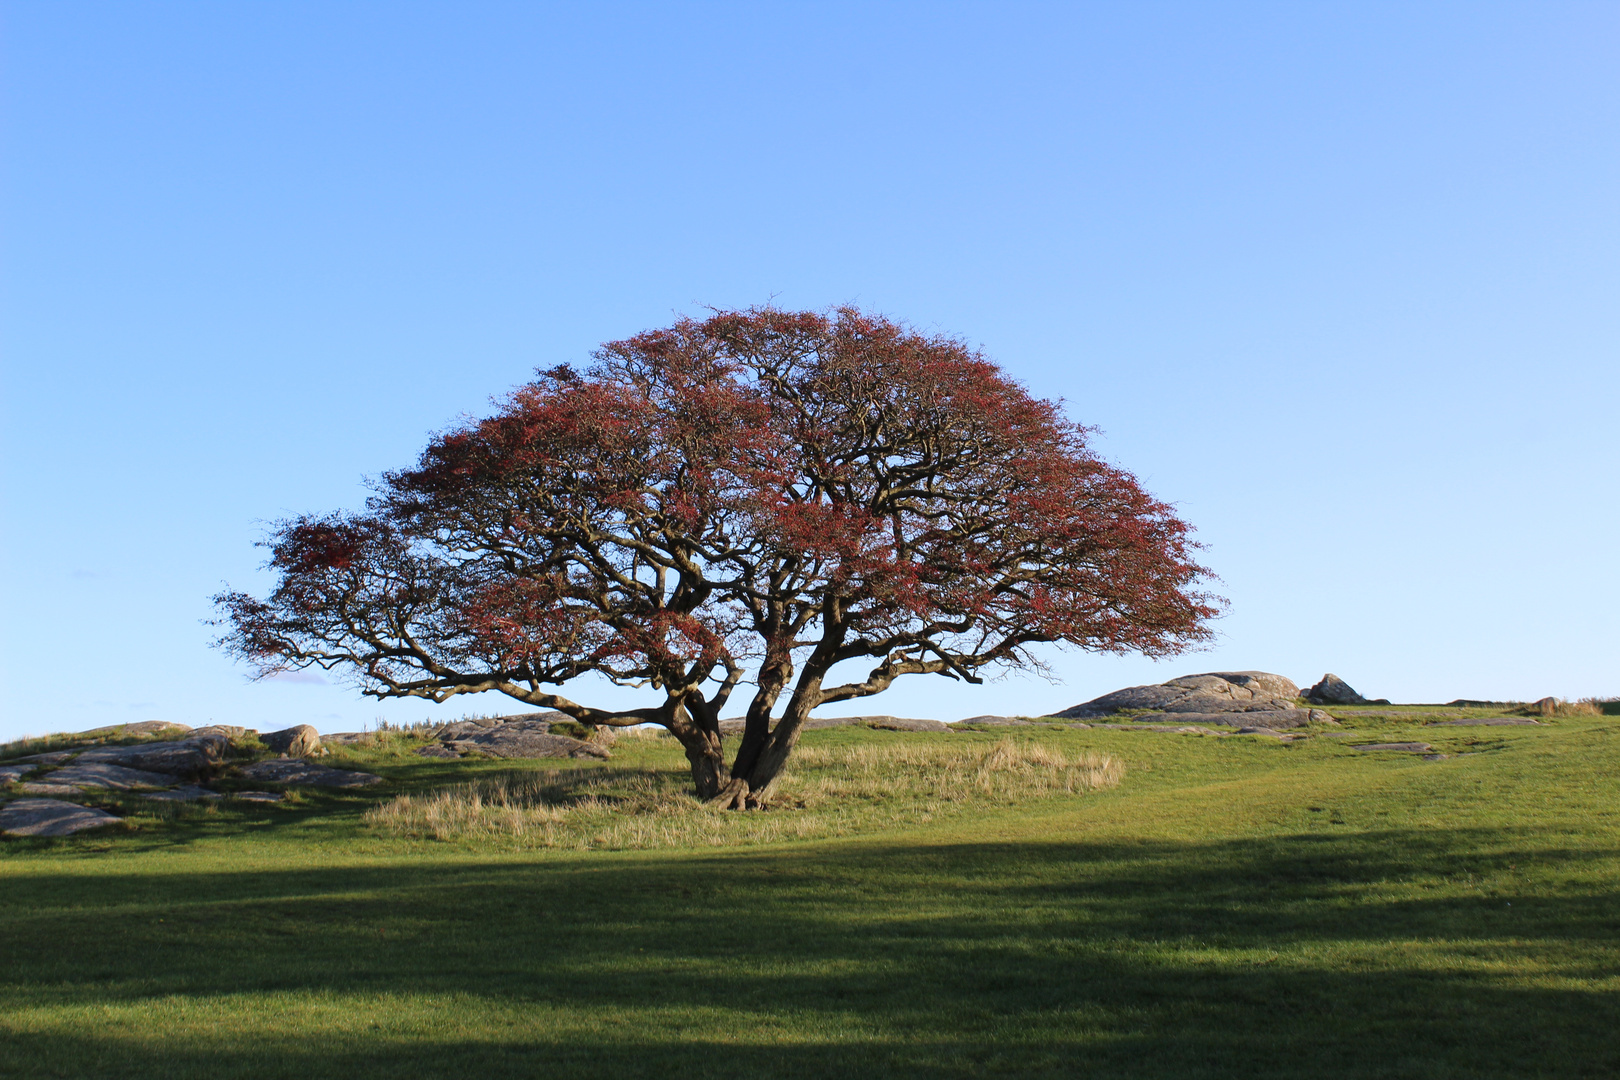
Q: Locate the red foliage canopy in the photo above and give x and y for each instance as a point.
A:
(765, 490)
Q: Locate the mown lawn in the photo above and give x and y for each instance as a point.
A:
(1235, 908)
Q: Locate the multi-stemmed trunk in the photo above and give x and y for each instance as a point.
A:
(763, 752)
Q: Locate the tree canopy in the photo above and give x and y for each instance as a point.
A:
(744, 500)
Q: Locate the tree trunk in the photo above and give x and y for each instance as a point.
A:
(697, 726)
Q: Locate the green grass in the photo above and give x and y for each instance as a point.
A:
(1234, 907)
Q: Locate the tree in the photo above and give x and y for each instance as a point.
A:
(760, 494)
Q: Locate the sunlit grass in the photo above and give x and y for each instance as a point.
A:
(830, 791)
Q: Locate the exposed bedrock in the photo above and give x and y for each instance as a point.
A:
(1213, 692)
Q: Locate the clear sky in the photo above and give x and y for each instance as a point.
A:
(1342, 281)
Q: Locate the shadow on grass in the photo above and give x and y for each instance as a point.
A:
(1387, 954)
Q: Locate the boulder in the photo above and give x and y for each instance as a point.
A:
(437, 750)
(1332, 690)
(298, 741)
(996, 721)
(1213, 692)
(230, 731)
(185, 757)
(50, 817)
(98, 774)
(301, 773)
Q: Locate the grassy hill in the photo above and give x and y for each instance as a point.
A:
(1225, 907)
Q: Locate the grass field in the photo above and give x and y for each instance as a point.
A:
(1227, 907)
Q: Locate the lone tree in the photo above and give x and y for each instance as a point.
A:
(761, 493)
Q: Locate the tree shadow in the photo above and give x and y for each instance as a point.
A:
(1346, 954)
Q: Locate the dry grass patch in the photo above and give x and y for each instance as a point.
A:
(830, 791)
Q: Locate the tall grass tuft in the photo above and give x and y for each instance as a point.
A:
(831, 791)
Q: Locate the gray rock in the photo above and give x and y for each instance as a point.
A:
(10, 774)
(996, 721)
(1332, 690)
(533, 721)
(54, 757)
(525, 739)
(1402, 747)
(50, 817)
(1490, 721)
(98, 774)
(183, 793)
(300, 773)
(1213, 692)
(28, 788)
(257, 796)
(437, 750)
(349, 738)
(300, 740)
(185, 757)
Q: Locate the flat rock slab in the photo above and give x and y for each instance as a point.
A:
(38, 788)
(183, 758)
(183, 793)
(1403, 747)
(54, 757)
(438, 750)
(1490, 721)
(525, 739)
(257, 796)
(995, 721)
(96, 774)
(10, 774)
(50, 817)
(306, 774)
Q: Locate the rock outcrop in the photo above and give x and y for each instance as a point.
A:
(1332, 690)
(185, 757)
(82, 774)
(1213, 692)
(50, 817)
(525, 739)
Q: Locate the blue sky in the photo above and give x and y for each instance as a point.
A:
(1342, 281)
